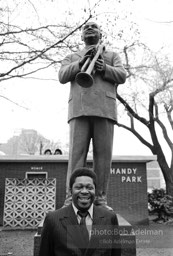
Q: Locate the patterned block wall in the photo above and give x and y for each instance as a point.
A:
(27, 201)
(18, 169)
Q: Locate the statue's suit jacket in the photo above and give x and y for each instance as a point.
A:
(100, 99)
(61, 234)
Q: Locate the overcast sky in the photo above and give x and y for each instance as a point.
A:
(45, 102)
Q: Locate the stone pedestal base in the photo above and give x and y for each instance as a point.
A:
(128, 239)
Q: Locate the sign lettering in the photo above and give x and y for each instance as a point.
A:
(127, 174)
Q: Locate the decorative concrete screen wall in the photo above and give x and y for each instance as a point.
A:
(27, 201)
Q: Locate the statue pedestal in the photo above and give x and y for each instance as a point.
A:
(37, 238)
(128, 239)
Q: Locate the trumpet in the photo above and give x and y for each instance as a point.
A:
(84, 78)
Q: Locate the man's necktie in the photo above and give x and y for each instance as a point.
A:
(83, 226)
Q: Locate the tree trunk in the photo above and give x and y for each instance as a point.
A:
(167, 174)
(169, 187)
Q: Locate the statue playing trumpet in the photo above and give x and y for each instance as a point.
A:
(84, 77)
(94, 74)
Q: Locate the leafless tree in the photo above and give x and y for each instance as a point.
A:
(30, 141)
(150, 103)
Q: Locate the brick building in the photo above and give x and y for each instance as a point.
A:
(127, 192)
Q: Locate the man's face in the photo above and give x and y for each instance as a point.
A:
(83, 192)
(91, 31)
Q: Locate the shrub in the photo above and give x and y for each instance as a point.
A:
(161, 204)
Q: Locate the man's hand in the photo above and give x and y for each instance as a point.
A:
(90, 53)
(100, 64)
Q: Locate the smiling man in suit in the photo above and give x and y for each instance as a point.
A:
(92, 111)
(81, 228)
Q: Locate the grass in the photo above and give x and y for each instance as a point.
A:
(17, 243)
(155, 240)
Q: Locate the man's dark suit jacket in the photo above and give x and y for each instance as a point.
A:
(61, 234)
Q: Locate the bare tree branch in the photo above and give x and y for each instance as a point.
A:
(17, 104)
(131, 111)
(26, 73)
(34, 55)
(132, 130)
(165, 134)
(169, 110)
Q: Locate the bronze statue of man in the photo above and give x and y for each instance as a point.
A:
(92, 111)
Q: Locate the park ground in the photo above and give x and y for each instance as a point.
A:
(152, 240)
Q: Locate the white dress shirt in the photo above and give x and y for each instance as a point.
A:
(88, 220)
